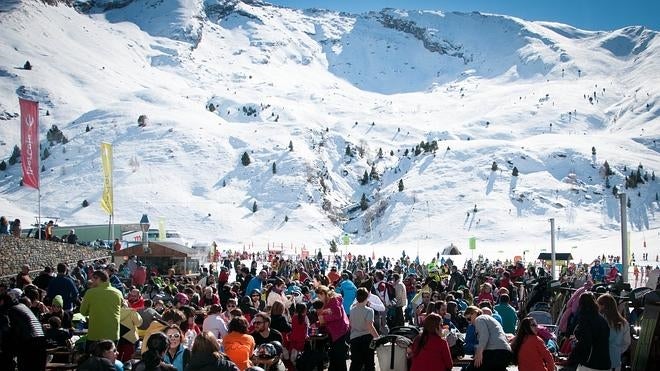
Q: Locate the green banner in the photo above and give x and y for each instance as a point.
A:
(473, 243)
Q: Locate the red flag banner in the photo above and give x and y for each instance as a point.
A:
(30, 142)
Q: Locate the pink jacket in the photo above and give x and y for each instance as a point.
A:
(571, 307)
(336, 322)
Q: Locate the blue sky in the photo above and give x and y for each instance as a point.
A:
(585, 14)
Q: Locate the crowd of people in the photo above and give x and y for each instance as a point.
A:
(258, 312)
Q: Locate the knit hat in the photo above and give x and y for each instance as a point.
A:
(58, 301)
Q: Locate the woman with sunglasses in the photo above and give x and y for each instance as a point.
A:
(230, 305)
(529, 350)
(257, 302)
(177, 355)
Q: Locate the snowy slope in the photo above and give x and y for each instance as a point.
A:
(484, 87)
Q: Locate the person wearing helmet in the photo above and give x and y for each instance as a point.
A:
(269, 356)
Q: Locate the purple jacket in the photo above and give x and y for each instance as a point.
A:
(336, 323)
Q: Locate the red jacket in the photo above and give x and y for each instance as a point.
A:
(534, 356)
(298, 333)
(434, 355)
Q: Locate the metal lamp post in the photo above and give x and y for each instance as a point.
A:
(144, 226)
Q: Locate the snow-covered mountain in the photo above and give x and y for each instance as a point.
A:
(217, 79)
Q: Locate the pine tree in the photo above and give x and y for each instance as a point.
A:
(16, 153)
(85, 203)
(656, 196)
(363, 202)
(374, 174)
(593, 151)
(493, 167)
(380, 153)
(646, 176)
(405, 153)
(417, 150)
(653, 176)
(638, 177)
(515, 171)
(290, 146)
(607, 182)
(224, 183)
(274, 168)
(615, 191)
(348, 151)
(400, 185)
(286, 218)
(628, 203)
(391, 152)
(87, 129)
(43, 168)
(3, 165)
(245, 159)
(365, 178)
(254, 207)
(46, 154)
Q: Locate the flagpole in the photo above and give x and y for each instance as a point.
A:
(41, 237)
(39, 177)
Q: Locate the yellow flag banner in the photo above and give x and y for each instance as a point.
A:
(106, 162)
(162, 234)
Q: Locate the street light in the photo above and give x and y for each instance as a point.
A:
(144, 226)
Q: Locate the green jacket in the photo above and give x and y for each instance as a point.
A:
(102, 304)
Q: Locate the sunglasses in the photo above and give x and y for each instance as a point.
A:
(176, 336)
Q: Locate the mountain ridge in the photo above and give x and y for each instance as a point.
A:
(325, 81)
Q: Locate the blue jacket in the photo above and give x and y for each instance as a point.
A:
(348, 291)
(471, 340)
(116, 283)
(63, 285)
(255, 283)
(178, 359)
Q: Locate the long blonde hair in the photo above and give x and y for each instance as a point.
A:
(607, 307)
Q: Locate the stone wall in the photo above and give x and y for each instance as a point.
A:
(14, 252)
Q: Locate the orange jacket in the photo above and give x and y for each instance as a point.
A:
(238, 347)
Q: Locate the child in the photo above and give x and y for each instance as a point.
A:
(486, 294)
(299, 328)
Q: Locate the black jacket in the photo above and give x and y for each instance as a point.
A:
(208, 362)
(592, 348)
